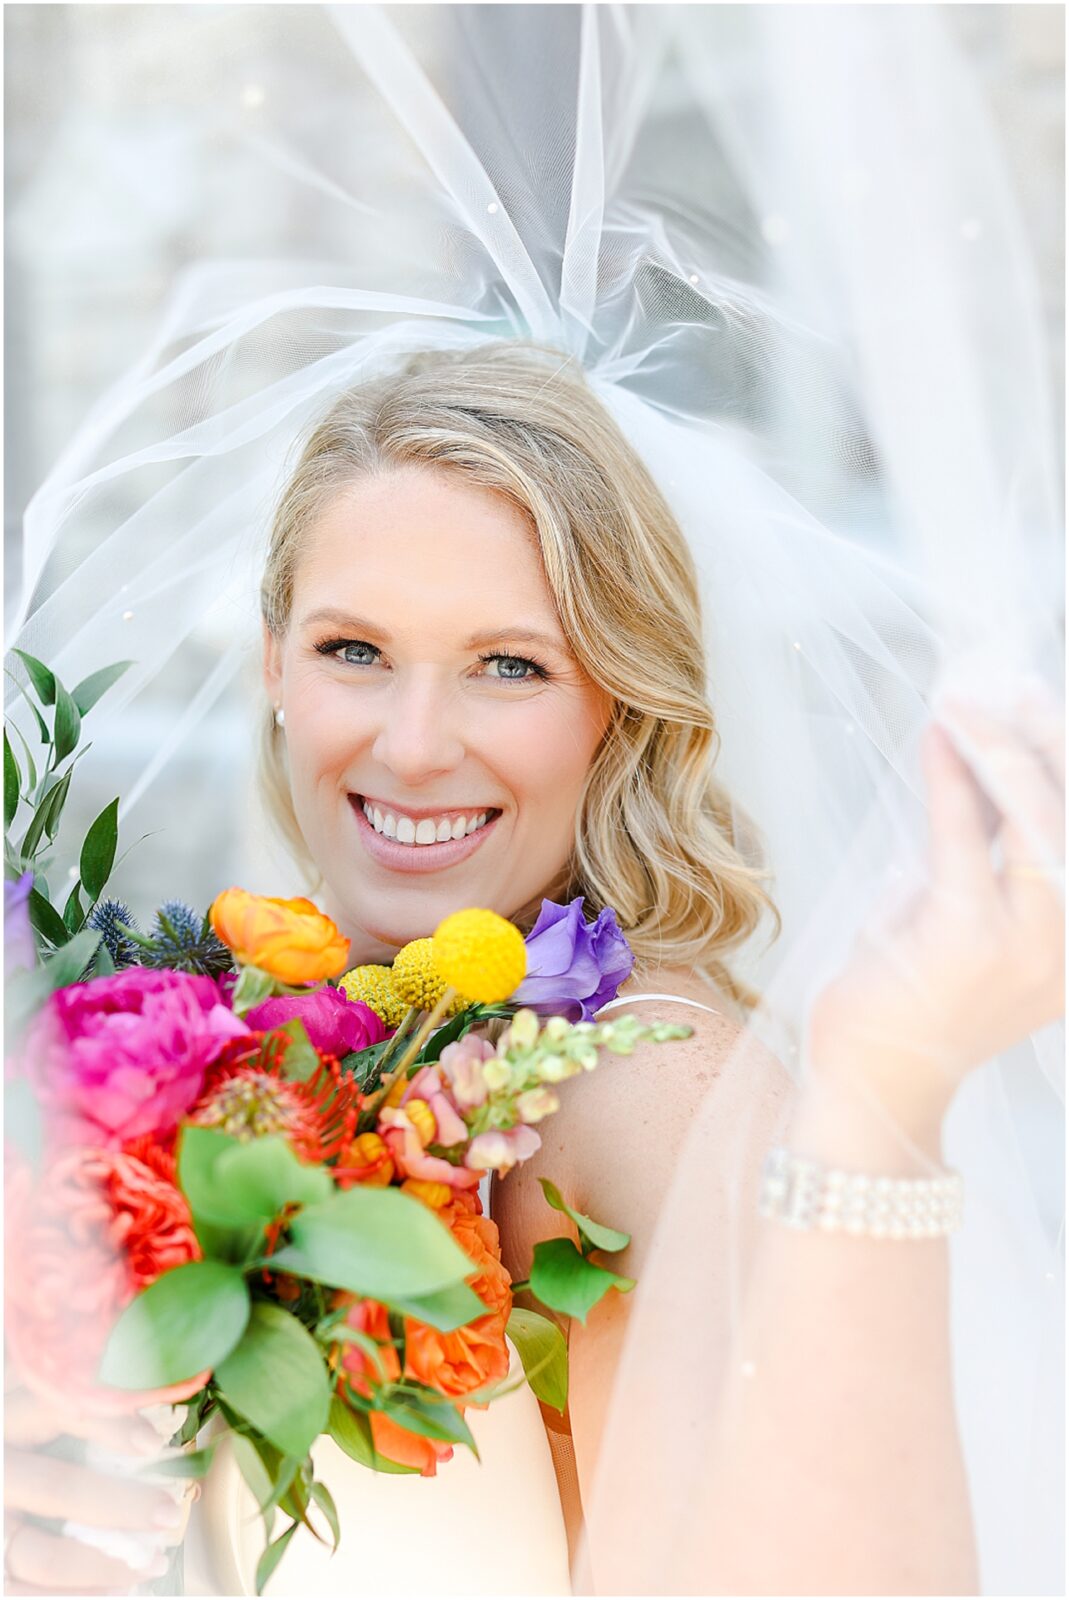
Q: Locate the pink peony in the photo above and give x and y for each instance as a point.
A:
(126, 1055)
(333, 1022)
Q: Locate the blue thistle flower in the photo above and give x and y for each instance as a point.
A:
(104, 919)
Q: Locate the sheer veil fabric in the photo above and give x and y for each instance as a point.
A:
(782, 243)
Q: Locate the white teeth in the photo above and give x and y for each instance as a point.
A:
(426, 831)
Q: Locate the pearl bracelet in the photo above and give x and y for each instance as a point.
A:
(805, 1194)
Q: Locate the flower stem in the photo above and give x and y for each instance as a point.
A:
(414, 1046)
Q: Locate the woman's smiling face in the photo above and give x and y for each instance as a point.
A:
(426, 684)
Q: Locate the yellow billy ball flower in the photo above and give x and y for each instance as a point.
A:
(480, 954)
(375, 987)
(417, 980)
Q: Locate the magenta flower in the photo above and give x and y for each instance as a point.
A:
(126, 1055)
(333, 1022)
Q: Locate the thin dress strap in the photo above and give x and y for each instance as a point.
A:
(631, 999)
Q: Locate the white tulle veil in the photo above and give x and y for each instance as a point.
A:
(783, 244)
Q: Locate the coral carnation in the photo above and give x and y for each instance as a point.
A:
(96, 1228)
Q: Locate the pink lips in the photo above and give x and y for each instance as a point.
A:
(416, 857)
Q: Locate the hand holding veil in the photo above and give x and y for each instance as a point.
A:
(783, 247)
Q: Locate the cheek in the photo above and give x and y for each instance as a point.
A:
(546, 761)
(324, 731)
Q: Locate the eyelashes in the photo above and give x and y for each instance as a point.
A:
(537, 672)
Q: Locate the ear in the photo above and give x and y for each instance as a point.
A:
(272, 666)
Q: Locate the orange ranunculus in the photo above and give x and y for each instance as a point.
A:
(290, 939)
(458, 1363)
(389, 1437)
(81, 1240)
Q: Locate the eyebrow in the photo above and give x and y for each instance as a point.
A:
(362, 626)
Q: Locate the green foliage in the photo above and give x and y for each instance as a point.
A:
(351, 1432)
(375, 1242)
(566, 1281)
(188, 1321)
(232, 1182)
(272, 1556)
(426, 1412)
(445, 1309)
(593, 1235)
(44, 795)
(544, 1352)
(276, 1378)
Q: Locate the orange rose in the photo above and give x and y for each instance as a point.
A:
(389, 1438)
(81, 1240)
(290, 939)
(458, 1363)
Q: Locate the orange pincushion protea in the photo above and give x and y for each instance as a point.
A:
(247, 1095)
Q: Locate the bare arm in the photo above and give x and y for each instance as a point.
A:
(844, 1439)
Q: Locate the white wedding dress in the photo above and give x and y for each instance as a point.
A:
(492, 1526)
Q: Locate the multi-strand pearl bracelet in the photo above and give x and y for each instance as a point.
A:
(804, 1194)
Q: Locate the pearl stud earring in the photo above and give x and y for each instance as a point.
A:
(280, 717)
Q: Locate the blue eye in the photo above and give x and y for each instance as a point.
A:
(347, 651)
(529, 670)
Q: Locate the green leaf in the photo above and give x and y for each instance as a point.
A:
(236, 1182)
(98, 851)
(86, 694)
(351, 1432)
(68, 964)
(446, 1309)
(277, 1379)
(257, 1477)
(566, 1281)
(272, 1556)
(68, 724)
(46, 919)
(104, 966)
(325, 1501)
(12, 783)
(40, 676)
(73, 911)
(544, 1352)
(424, 1412)
(46, 817)
(375, 1242)
(190, 1464)
(597, 1236)
(300, 1060)
(31, 766)
(189, 1320)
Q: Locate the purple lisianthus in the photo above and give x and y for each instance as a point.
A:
(573, 966)
(19, 948)
(126, 1055)
(333, 1022)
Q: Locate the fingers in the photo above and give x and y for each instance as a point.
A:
(29, 1420)
(45, 1563)
(1013, 765)
(958, 844)
(46, 1486)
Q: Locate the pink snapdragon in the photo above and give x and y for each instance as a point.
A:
(462, 1064)
(500, 1149)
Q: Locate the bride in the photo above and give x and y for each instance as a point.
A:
(594, 531)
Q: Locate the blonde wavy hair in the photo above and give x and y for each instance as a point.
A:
(655, 835)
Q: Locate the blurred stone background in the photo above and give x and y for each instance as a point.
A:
(85, 287)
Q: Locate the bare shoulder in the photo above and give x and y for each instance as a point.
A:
(614, 1142)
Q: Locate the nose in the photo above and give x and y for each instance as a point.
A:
(419, 737)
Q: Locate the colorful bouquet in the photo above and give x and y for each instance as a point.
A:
(257, 1187)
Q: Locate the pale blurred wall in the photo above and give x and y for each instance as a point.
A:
(85, 285)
